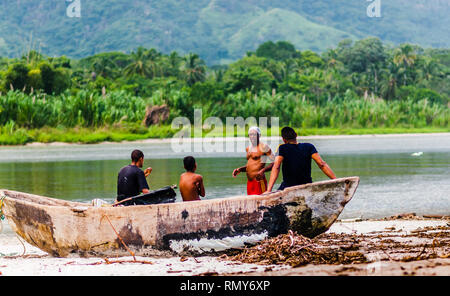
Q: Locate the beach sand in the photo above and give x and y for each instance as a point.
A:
(411, 246)
(241, 138)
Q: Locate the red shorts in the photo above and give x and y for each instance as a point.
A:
(256, 187)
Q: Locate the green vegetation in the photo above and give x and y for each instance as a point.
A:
(83, 135)
(354, 87)
(114, 134)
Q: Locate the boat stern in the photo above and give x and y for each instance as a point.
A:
(318, 206)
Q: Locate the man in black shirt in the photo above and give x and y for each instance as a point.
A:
(295, 158)
(131, 180)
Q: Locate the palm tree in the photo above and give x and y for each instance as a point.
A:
(193, 69)
(331, 58)
(428, 68)
(373, 72)
(404, 57)
(218, 75)
(103, 66)
(173, 64)
(288, 67)
(152, 56)
(389, 87)
(389, 81)
(144, 63)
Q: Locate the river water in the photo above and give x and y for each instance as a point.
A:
(399, 173)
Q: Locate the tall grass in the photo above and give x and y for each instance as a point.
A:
(347, 111)
(83, 109)
(89, 117)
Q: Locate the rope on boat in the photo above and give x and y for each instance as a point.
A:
(2, 216)
(128, 249)
(23, 245)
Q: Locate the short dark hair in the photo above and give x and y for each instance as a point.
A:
(189, 163)
(288, 133)
(136, 155)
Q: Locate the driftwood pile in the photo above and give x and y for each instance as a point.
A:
(296, 250)
(330, 248)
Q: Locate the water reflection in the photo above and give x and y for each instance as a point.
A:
(391, 183)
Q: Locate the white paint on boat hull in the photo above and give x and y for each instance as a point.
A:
(211, 245)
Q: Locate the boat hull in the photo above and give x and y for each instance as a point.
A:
(62, 228)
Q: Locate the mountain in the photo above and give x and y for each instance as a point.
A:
(220, 31)
(278, 24)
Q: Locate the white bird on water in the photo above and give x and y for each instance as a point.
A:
(417, 154)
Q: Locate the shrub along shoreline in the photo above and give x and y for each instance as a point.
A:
(105, 134)
(117, 116)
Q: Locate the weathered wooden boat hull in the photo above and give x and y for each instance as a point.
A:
(62, 228)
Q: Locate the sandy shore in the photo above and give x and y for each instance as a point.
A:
(18, 258)
(392, 247)
(238, 139)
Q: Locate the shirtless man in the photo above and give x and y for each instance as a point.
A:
(191, 184)
(257, 154)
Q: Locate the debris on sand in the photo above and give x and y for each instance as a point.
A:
(414, 216)
(296, 250)
(332, 248)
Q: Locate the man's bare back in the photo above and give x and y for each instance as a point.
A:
(191, 186)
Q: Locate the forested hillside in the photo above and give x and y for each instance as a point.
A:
(220, 31)
(361, 84)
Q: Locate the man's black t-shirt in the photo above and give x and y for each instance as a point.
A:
(296, 166)
(131, 181)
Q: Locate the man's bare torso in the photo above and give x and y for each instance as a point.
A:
(256, 160)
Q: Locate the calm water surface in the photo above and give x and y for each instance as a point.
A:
(393, 180)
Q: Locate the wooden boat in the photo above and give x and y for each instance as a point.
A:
(62, 228)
